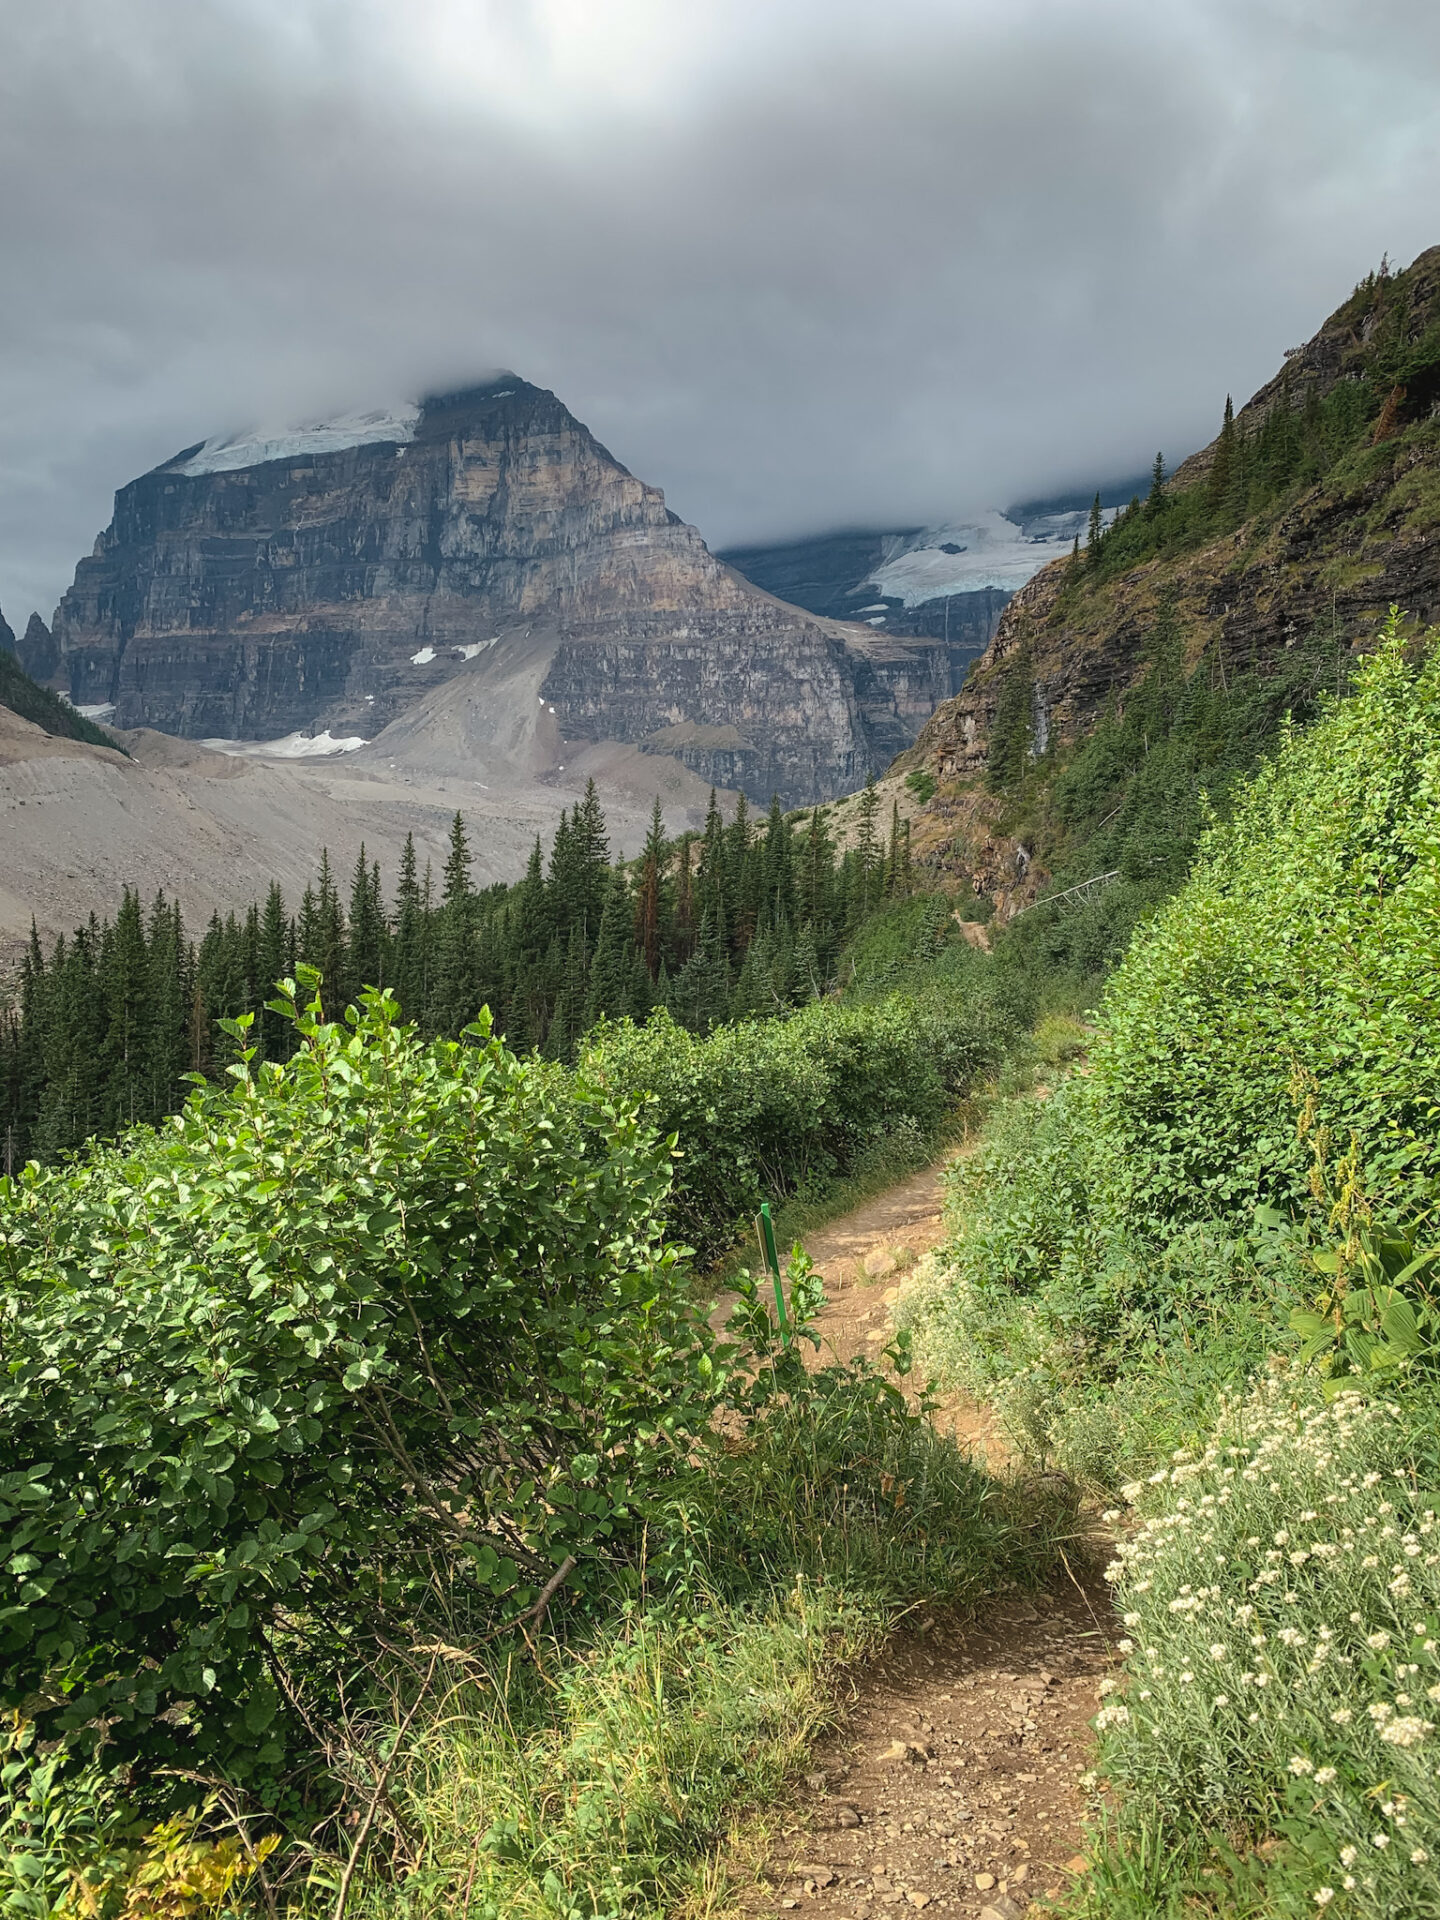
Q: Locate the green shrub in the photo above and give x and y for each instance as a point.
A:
(380, 1335)
(1101, 1345)
(766, 1108)
(1297, 957)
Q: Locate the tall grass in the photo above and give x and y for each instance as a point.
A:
(599, 1779)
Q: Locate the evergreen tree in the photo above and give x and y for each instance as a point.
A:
(650, 915)
(125, 986)
(275, 1035)
(867, 849)
(454, 1000)
(608, 995)
(1095, 534)
(1156, 502)
(1222, 470)
(412, 943)
(365, 960)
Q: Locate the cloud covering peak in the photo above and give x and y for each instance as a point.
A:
(804, 265)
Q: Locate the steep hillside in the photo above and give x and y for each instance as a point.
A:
(1119, 688)
(333, 578)
(43, 708)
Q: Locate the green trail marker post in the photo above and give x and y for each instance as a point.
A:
(765, 1229)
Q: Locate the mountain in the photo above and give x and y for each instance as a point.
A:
(1243, 586)
(335, 579)
(38, 650)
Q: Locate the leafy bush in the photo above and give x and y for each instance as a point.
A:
(1101, 1345)
(766, 1108)
(1303, 940)
(383, 1334)
(1283, 1593)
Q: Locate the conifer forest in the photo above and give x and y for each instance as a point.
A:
(744, 920)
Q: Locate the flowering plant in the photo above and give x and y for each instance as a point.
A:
(1282, 1597)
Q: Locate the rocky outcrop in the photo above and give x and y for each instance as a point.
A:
(38, 651)
(331, 579)
(7, 636)
(1330, 561)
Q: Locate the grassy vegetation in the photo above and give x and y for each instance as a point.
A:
(1198, 1279)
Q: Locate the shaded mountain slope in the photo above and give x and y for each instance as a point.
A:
(40, 705)
(1120, 691)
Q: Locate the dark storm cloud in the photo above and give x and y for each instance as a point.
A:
(801, 264)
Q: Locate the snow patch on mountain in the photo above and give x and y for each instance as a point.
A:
(228, 453)
(291, 746)
(989, 551)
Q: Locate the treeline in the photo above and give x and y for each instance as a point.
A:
(1392, 371)
(743, 920)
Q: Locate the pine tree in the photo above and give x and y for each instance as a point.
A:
(277, 963)
(608, 995)
(1156, 501)
(1222, 469)
(567, 1022)
(365, 960)
(125, 985)
(454, 998)
(411, 939)
(682, 938)
(649, 904)
(867, 848)
(778, 869)
(322, 940)
(168, 994)
(1095, 535)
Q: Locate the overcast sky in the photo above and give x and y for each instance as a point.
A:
(803, 263)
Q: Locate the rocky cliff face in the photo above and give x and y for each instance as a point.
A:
(331, 579)
(1352, 532)
(38, 651)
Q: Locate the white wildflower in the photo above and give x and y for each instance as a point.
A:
(1299, 1764)
(1405, 1730)
(1324, 1775)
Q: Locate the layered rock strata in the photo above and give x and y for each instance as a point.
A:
(333, 579)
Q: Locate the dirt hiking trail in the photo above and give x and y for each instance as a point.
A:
(953, 1785)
